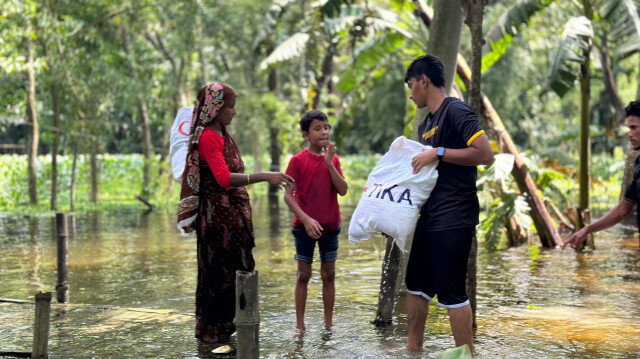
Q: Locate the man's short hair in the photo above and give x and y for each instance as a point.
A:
(428, 65)
(633, 109)
(308, 117)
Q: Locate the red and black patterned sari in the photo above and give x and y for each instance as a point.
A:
(225, 240)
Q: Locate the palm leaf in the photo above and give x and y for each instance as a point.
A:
(507, 26)
(625, 25)
(268, 29)
(576, 40)
(289, 48)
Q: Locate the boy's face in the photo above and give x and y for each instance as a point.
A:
(319, 133)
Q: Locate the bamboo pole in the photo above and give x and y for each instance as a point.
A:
(41, 326)
(247, 318)
(386, 297)
(62, 288)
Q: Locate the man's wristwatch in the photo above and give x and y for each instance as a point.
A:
(440, 153)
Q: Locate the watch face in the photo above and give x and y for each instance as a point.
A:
(440, 151)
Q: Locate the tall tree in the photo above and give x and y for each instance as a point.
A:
(32, 114)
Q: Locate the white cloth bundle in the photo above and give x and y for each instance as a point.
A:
(179, 141)
(393, 196)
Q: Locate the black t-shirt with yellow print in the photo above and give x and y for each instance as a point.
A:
(453, 202)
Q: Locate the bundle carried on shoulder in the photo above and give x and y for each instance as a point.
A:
(393, 196)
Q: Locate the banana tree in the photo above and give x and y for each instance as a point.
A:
(613, 22)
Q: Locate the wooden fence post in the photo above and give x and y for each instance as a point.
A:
(41, 326)
(386, 298)
(247, 318)
(62, 288)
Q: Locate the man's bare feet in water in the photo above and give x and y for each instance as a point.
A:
(299, 333)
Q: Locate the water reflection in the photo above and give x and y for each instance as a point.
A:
(133, 279)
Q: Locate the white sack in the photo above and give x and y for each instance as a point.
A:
(393, 196)
(180, 141)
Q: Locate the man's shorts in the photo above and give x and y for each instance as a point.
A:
(305, 245)
(438, 265)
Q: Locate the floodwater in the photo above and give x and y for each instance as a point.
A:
(133, 277)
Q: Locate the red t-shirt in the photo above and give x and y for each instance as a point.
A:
(315, 192)
(211, 150)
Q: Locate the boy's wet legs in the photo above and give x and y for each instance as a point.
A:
(302, 280)
(328, 273)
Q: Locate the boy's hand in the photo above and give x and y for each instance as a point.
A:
(329, 152)
(313, 228)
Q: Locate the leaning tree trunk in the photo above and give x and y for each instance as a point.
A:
(33, 122)
(549, 236)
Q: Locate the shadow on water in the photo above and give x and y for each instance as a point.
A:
(133, 277)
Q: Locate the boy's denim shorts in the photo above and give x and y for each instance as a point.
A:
(305, 245)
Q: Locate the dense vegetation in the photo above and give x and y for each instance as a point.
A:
(105, 78)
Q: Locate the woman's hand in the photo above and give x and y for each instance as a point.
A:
(279, 179)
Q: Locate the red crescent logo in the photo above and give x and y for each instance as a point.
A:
(180, 128)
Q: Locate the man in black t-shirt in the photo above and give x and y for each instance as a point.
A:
(442, 240)
(632, 194)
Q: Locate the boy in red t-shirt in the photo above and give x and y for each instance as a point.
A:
(314, 201)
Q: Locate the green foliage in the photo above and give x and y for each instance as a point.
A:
(461, 352)
(506, 27)
(576, 40)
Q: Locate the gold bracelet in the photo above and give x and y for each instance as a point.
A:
(248, 179)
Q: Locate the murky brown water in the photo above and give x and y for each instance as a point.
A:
(133, 278)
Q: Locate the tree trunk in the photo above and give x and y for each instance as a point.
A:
(444, 41)
(74, 170)
(541, 219)
(94, 168)
(203, 62)
(638, 82)
(54, 147)
(143, 113)
(610, 82)
(274, 143)
(33, 120)
(327, 72)
(585, 139)
(474, 14)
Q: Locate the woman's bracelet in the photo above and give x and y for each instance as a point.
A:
(248, 179)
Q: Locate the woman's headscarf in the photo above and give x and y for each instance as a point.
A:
(211, 99)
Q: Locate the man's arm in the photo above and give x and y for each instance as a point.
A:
(615, 215)
(479, 152)
(313, 228)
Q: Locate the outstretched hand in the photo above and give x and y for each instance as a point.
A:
(279, 179)
(577, 240)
